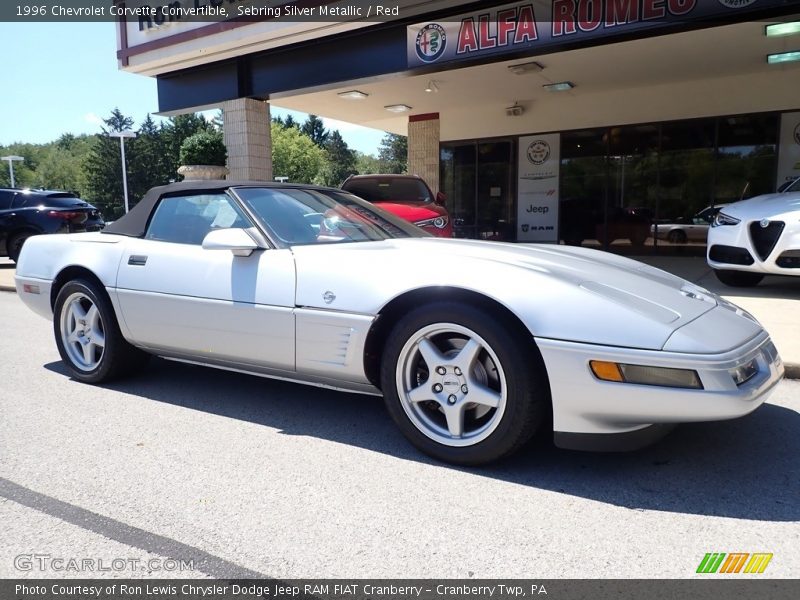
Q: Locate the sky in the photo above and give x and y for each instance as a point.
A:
(63, 78)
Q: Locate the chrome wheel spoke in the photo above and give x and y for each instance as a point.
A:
(88, 353)
(451, 384)
(468, 355)
(421, 393)
(430, 353)
(82, 332)
(480, 394)
(455, 419)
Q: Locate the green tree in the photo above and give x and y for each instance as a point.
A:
(315, 129)
(366, 164)
(174, 132)
(340, 161)
(393, 153)
(149, 162)
(103, 167)
(294, 155)
(290, 122)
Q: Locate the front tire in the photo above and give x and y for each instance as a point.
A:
(738, 278)
(462, 385)
(88, 336)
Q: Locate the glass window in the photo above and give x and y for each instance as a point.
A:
(747, 157)
(188, 219)
(584, 185)
(389, 189)
(5, 200)
(458, 182)
(306, 216)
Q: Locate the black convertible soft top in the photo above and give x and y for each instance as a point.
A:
(134, 223)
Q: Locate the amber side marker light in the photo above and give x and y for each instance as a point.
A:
(644, 375)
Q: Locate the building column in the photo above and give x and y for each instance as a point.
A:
(423, 148)
(246, 131)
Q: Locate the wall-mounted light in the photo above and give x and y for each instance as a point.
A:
(777, 29)
(353, 95)
(515, 110)
(561, 86)
(523, 68)
(783, 57)
(398, 108)
(431, 87)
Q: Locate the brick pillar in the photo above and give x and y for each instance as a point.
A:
(423, 148)
(246, 129)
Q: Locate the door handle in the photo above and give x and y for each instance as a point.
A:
(137, 260)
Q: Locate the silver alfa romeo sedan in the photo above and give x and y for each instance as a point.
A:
(475, 346)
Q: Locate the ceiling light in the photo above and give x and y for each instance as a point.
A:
(398, 108)
(782, 29)
(783, 57)
(528, 67)
(353, 95)
(561, 86)
(432, 87)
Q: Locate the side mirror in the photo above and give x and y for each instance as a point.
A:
(238, 241)
(440, 199)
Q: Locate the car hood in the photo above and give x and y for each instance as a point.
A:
(768, 206)
(558, 292)
(413, 211)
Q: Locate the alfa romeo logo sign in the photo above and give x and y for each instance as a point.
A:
(538, 152)
(431, 42)
(736, 3)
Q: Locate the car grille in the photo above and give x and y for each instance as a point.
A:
(730, 254)
(789, 259)
(765, 238)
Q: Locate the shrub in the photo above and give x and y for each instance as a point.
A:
(204, 148)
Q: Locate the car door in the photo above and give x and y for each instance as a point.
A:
(181, 299)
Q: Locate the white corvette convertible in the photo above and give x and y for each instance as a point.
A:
(475, 346)
(756, 237)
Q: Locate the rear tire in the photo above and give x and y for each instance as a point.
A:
(738, 278)
(462, 385)
(88, 336)
(15, 244)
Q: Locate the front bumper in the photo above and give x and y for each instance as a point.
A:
(731, 247)
(584, 405)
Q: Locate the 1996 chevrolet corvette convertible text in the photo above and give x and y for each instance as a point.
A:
(474, 345)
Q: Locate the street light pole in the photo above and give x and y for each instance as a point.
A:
(122, 135)
(11, 160)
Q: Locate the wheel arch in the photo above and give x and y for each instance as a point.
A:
(392, 311)
(70, 273)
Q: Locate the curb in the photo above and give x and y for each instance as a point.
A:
(791, 370)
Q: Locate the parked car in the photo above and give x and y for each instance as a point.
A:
(406, 196)
(756, 237)
(24, 213)
(474, 345)
(582, 220)
(687, 229)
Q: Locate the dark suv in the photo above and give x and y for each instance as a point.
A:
(24, 213)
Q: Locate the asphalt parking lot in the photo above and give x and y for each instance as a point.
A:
(244, 476)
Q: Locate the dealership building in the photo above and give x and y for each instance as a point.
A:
(541, 120)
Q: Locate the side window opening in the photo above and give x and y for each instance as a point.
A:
(188, 219)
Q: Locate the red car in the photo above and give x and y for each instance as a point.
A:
(406, 196)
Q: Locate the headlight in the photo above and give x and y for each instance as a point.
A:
(438, 222)
(644, 375)
(721, 219)
(745, 372)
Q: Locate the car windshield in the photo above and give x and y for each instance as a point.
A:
(389, 189)
(794, 187)
(295, 216)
